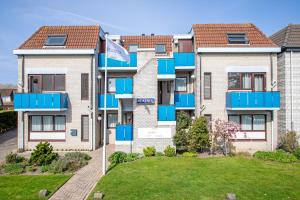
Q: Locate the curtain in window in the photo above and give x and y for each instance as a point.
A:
(258, 82)
(36, 123)
(180, 84)
(259, 122)
(246, 122)
(112, 120)
(47, 123)
(60, 123)
(246, 81)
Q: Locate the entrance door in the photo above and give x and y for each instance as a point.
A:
(35, 83)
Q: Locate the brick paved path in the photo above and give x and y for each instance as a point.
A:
(83, 181)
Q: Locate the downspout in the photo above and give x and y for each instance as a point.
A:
(291, 90)
(272, 117)
(21, 145)
(92, 100)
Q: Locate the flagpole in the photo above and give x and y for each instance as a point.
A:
(105, 91)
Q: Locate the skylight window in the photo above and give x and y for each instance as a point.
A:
(56, 40)
(237, 38)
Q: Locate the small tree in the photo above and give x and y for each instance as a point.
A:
(223, 131)
(289, 141)
(198, 135)
(182, 125)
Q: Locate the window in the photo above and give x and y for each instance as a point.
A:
(246, 81)
(84, 127)
(35, 83)
(56, 40)
(59, 82)
(209, 120)
(249, 122)
(133, 48)
(112, 120)
(84, 86)
(185, 46)
(160, 48)
(47, 82)
(180, 85)
(237, 38)
(207, 85)
(111, 86)
(47, 123)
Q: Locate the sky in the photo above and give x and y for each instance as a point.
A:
(20, 18)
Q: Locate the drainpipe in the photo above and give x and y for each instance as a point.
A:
(21, 129)
(272, 118)
(291, 90)
(92, 102)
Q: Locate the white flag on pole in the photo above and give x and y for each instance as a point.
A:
(116, 51)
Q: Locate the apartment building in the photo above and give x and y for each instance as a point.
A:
(225, 71)
(288, 39)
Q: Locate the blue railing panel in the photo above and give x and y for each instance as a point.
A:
(253, 100)
(111, 101)
(166, 66)
(40, 101)
(166, 113)
(116, 63)
(124, 132)
(184, 100)
(184, 59)
(124, 86)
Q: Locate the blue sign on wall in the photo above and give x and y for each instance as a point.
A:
(145, 101)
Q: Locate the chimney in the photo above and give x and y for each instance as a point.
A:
(143, 34)
(152, 34)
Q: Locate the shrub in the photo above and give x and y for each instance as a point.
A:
(117, 157)
(132, 157)
(44, 168)
(183, 122)
(15, 168)
(278, 155)
(198, 135)
(8, 120)
(189, 154)
(159, 153)
(13, 158)
(43, 154)
(288, 142)
(297, 153)
(149, 151)
(77, 156)
(170, 151)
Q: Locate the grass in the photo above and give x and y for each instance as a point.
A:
(27, 187)
(206, 178)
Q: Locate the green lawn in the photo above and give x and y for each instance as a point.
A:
(27, 187)
(206, 178)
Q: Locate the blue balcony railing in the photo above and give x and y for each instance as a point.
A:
(166, 113)
(166, 66)
(40, 101)
(124, 132)
(253, 100)
(124, 86)
(184, 59)
(185, 101)
(111, 101)
(116, 63)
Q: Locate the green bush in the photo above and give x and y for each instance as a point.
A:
(297, 153)
(183, 122)
(132, 157)
(198, 135)
(170, 151)
(159, 153)
(278, 155)
(43, 154)
(8, 120)
(117, 157)
(189, 154)
(13, 158)
(15, 168)
(44, 168)
(149, 151)
(289, 142)
(77, 156)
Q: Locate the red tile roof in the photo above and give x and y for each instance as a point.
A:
(215, 35)
(78, 37)
(148, 41)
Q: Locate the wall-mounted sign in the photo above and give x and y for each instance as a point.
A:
(154, 133)
(145, 101)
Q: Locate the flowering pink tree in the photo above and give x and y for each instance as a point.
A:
(223, 131)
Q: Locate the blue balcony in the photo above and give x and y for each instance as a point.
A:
(253, 100)
(185, 101)
(166, 68)
(124, 87)
(184, 61)
(40, 101)
(124, 132)
(111, 102)
(116, 64)
(166, 115)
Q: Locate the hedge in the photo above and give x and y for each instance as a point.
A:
(8, 120)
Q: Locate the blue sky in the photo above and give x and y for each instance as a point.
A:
(19, 19)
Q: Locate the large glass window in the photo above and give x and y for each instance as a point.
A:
(249, 122)
(47, 82)
(47, 123)
(60, 123)
(160, 48)
(259, 122)
(246, 81)
(112, 120)
(133, 48)
(36, 123)
(111, 86)
(246, 122)
(180, 85)
(234, 80)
